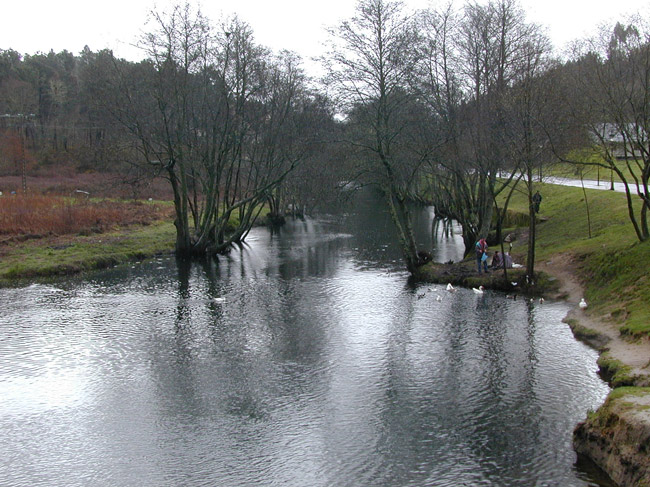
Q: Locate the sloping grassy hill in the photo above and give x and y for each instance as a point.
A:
(612, 263)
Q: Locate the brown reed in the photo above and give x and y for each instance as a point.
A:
(41, 215)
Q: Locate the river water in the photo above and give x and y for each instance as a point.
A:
(302, 359)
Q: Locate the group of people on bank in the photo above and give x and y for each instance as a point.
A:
(499, 260)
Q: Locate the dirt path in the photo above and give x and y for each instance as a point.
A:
(634, 354)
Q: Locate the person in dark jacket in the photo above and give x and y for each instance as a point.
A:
(537, 199)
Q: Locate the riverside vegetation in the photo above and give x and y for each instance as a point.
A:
(44, 236)
(78, 234)
(437, 105)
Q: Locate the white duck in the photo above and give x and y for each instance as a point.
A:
(479, 290)
(450, 288)
(583, 304)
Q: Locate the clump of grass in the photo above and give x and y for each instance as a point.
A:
(615, 372)
(587, 335)
(605, 416)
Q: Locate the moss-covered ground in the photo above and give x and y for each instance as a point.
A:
(49, 256)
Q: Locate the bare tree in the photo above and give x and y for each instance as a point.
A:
(215, 113)
(613, 87)
(530, 117)
(476, 58)
(370, 63)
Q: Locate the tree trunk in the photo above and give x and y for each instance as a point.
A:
(183, 237)
(401, 220)
(532, 228)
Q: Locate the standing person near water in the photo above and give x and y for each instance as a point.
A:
(481, 255)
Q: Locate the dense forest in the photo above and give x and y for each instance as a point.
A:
(458, 107)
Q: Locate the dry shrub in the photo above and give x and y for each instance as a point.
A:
(43, 215)
(62, 181)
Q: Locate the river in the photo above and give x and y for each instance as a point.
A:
(301, 359)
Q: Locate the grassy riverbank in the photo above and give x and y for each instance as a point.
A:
(47, 236)
(43, 236)
(600, 247)
(586, 238)
(594, 239)
(51, 256)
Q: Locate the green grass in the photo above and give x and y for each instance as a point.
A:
(604, 417)
(620, 392)
(32, 259)
(616, 373)
(613, 264)
(590, 172)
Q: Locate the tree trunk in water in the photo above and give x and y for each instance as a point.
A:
(183, 237)
(401, 220)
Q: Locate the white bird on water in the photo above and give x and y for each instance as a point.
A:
(438, 297)
(219, 300)
(450, 288)
(479, 290)
(583, 304)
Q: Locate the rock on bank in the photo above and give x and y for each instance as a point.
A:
(617, 436)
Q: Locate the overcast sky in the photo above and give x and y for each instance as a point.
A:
(30, 26)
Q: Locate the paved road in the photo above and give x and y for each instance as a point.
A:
(590, 184)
